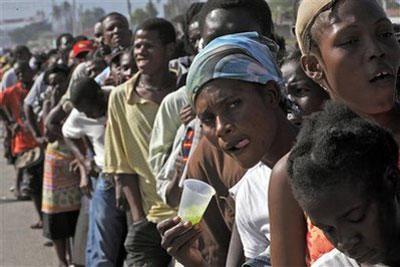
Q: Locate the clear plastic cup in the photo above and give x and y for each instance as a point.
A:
(195, 198)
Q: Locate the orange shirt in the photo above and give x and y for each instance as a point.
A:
(12, 99)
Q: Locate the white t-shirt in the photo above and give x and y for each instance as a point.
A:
(335, 258)
(251, 210)
(9, 79)
(79, 125)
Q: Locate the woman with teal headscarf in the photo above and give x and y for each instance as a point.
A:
(234, 86)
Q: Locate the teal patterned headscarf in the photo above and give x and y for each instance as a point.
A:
(243, 56)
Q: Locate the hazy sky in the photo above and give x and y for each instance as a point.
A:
(26, 8)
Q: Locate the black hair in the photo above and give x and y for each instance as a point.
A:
(97, 58)
(295, 56)
(86, 89)
(115, 15)
(80, 38)
(39, 60)
(163, 27)
(21, 49)
(192, 13)
(22, 63)
(257, 9)
(338, 147)
(58, 40)
(56, 68)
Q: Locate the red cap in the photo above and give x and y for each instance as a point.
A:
(82, 46)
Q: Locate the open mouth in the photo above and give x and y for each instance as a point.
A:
(382, 76)
(237, 146)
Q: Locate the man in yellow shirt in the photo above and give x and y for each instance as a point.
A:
(131, 112)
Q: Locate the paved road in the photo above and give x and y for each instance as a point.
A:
(19, 245)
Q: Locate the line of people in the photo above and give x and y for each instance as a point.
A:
(302, 148)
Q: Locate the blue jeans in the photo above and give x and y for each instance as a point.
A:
(260, 261)
(107, 227)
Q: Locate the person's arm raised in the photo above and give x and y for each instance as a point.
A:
(287, 221)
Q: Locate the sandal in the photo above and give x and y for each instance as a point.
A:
(48, 243)
(38, 225)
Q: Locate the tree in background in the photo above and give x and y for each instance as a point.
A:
(62, 17)
(89, 17)
(139, 14)
(30, 32)
(175, 8)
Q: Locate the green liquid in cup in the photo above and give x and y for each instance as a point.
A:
(193, 214)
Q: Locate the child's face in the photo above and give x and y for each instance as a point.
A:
(238, 119)
(360, 57)
(23, 72)
(58, 82)
(127, 66)
(308, 95)
(358, 226)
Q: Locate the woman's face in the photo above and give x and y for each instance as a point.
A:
(360, 57)
(359, 226)
(239, 117)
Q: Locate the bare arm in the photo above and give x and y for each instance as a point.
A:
(77, 148)
(287, 221)
(173, 192)
(32, 124)
(235, 253)
(131, 190)
(53, 121)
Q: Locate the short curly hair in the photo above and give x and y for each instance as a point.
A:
(164, 28)
(258, 9)
(338, 147)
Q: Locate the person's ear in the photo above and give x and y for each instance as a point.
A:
(313, 69)
(271, 94)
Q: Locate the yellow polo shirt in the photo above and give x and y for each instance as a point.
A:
(129, 126)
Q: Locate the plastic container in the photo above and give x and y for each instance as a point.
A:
(195, 198)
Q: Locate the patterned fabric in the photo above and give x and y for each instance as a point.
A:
(242, 56)
(187, 144)
(60, 186)
(317, 243)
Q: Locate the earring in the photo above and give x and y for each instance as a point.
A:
(323, 87)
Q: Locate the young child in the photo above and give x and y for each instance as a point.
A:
(306, 94)
(343, 172)
(61, 194)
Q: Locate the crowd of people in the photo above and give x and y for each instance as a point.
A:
(301, 145)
